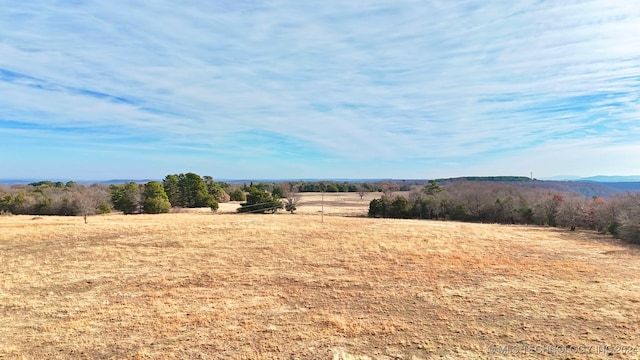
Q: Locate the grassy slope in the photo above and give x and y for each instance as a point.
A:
(196, 285)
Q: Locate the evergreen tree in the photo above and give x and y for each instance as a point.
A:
(172, 189)
(194, 192)
(155, 199)
(126, 198)
(260, 201)
(238, 195)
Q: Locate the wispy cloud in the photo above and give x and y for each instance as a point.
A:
(405, 88)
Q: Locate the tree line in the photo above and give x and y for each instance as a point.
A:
(473, 201)
(315, 186)
(505, 203)
(49, 198)
(188, 190)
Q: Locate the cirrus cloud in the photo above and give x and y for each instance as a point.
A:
(318, 89)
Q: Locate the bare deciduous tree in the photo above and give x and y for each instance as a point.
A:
(292, 198)
(362, 192)
(388, 188)
(571, 212)
(85, 203)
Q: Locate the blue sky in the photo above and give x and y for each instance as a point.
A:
(95, 90)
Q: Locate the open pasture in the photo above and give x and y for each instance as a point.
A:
(336, 204)
(228, 286)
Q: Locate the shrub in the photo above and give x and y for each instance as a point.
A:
(156, 205)
(332, 188)
(260, 201)
(400, 208)
(238, 195)
(292, 204)
(126, 198)
(278, 192)
(103, 208)
(378, 207)
(213, 205)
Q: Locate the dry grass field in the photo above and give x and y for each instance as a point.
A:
(197, 285)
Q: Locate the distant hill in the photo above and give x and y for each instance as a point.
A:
(120, 181)
(599, 178)
(488, 178)
(602, 186)
(623, 186)
(585, 188)
(84, 182)
(18, 181)
(612, 179)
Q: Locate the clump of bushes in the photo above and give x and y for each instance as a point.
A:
(260, 201)
(508, 204)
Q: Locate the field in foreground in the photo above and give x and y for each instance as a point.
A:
(290, 287)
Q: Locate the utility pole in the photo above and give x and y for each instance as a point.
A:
(322, 212)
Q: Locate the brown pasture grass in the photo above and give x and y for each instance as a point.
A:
(197, 285)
